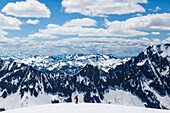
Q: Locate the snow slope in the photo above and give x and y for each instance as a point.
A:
(118, 97)
(85, 108)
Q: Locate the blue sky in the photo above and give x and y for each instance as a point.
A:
(55, 27)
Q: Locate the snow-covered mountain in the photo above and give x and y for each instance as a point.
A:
(85, 108)
(142, 81)
(70, 64)
(147, 76)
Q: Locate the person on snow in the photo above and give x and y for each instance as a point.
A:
(76, 98)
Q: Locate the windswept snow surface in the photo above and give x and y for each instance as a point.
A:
(85, 108)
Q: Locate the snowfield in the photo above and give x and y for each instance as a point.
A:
(85, 108)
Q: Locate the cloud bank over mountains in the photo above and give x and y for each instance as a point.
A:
(116, 46)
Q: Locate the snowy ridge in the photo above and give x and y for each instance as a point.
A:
(162, 50)
(85, 108)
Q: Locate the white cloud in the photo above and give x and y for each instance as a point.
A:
(138, 14)
(148, 22)
(74, 30)
(137, 26)
(78, 27)
(103, 7)
(167, 40)
(155, 33)
(9, 23)
(2, 33)
(28, 8)
(81, 22)
(133, 26)
(156, 9)
(32, 21)
(42, 36)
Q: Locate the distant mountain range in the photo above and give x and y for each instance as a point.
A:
(69, 64)
(141, 81)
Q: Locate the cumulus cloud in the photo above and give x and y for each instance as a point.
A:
(156, 9)
(28, 8)
(133, 26)
(80, 27)
(138, 14)
(148, 22)
(2, 33)
(81, 22)
(72, 30)
(137, 26)
(155, 33)
(103, 7)
(42, 36)
(34, 22)
(9, 23)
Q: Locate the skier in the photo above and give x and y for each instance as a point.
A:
(76, 98)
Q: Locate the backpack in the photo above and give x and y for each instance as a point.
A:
(76, 97)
